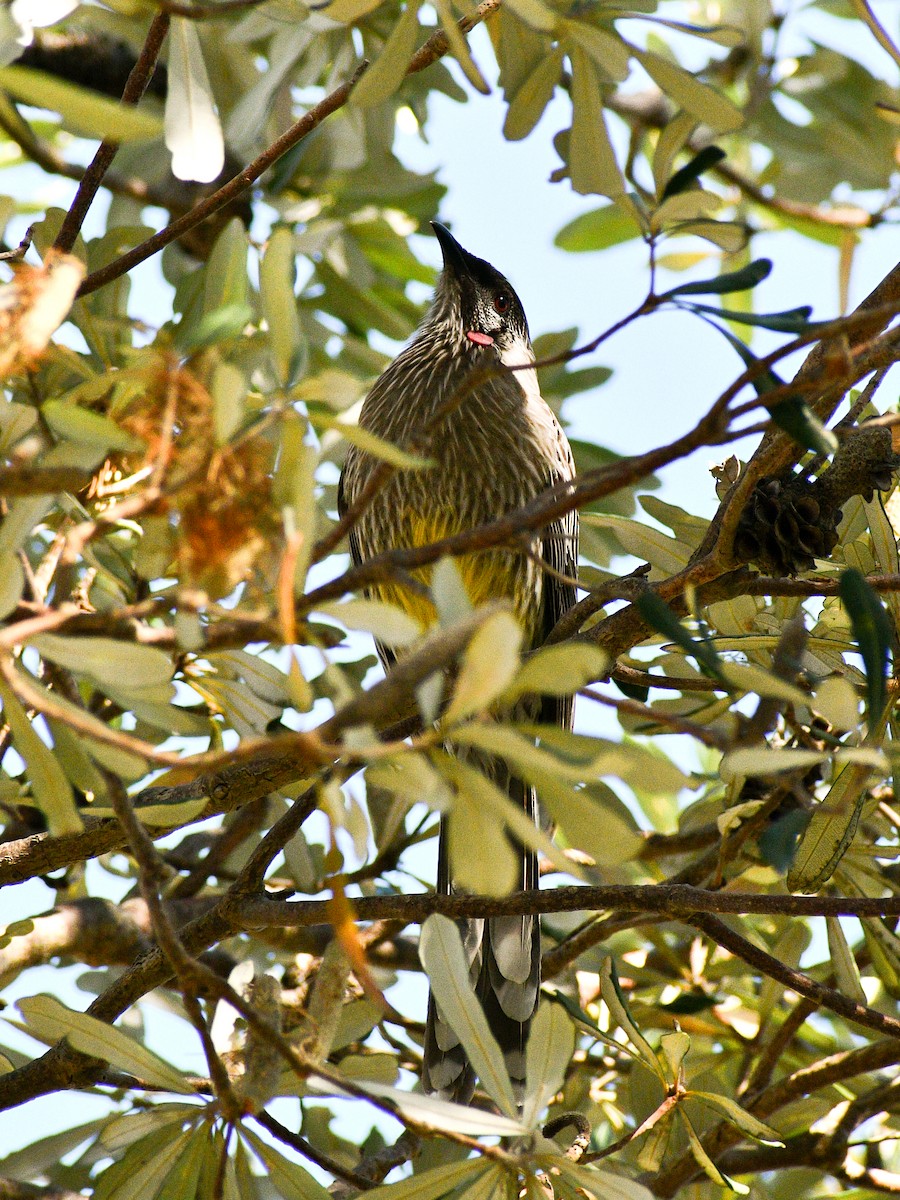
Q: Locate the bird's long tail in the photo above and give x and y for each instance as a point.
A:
(504, 955)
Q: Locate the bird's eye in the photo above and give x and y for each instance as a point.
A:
(501, 302)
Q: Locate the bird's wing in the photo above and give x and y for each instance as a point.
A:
(559, 550)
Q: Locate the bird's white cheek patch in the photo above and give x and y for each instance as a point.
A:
(516, 355)
(480, 339)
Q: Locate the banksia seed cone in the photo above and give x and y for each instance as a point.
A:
(791, 520)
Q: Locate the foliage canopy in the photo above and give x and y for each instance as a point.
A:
(231, 812)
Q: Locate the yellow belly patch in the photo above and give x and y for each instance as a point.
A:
(488, 575)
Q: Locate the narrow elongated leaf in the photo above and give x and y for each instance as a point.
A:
(442, 955)
(86, 111)
(291, 1181)
(611, 54)
(142, 1171)
(279, 304)
(872, 633)
(389, 623)
(535, 13)
(765, 761)
(657, 613)
(602, 1185)
(732, 281)
(618, 1010)
(388, 70)
(50, 788)
(184, 1174)
(703, 1160)
(843, 962)
(666, 554)
(532, 97)
(686, 90)
(489, 804)
(441, 1114)
(107, 660)
(376, 446)
(489, 663)
(551, 1042)
(92, 429)
(674, 1047)
(597, 230)
(746, 1122)
(51, 1020)
(592, 161)
(193, 132)
(690, 172)
(558, 671)
(798, 419)
(792, 320)
(830, 831)
(435, 1182)
(459, 47)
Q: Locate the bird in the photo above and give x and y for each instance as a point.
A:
(495, 444)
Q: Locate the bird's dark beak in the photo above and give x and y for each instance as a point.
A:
(455, 258)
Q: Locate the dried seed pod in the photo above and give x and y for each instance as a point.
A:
(791, 521)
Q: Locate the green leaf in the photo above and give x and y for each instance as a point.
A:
(489, 663)
(219, 326)
(798, 419)
(387, 622)
(872, 633)
(145, 1167)
(843, 962)
(551, 1043)
(597, 230)
(535, 13)
(291, 1181)
(792, 320)
(184, 1174)
(602, 1185)
(592, 161)
(459, 47)
(611, 54)
(279, 304)
(686, 90)
(346, 11)
(442, 956)
(446, 1117)
(90, 428)
(487, 864)
(831, 830)
(732, 281)
(703, 1160)
(674, 1047)
(85, 111)
(193, 133)
(558, 671)
(532, 97)
(767, 761)
(593, 818)
(51, 1021)
(668, 555)
(690, 172)
(106, 660)
(660, 617)
(618, 1010)
(388, 70)
(745, 1122)
(837, 701)
(50, 788)
(435, 1182)
(376, 446)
